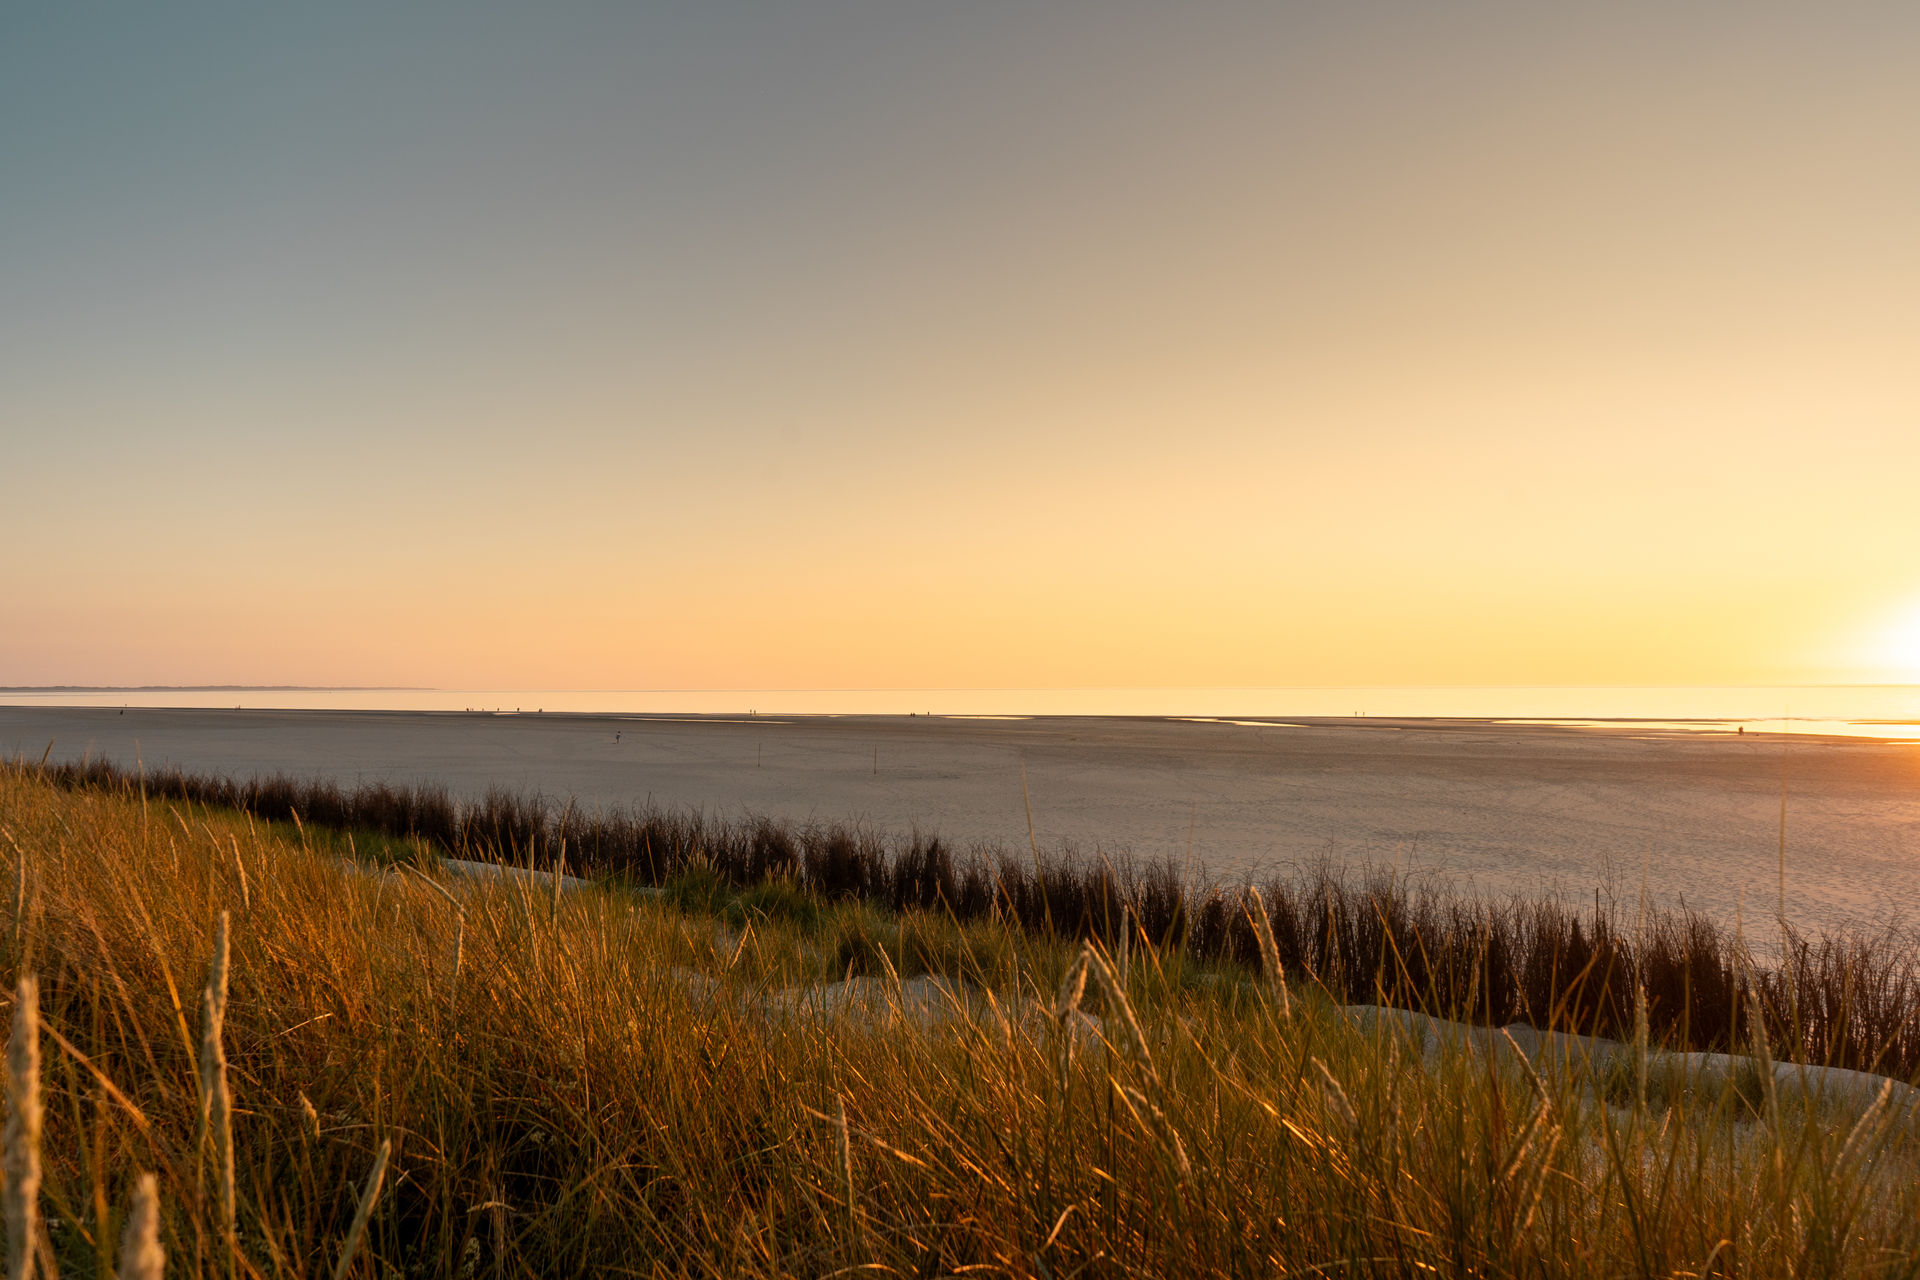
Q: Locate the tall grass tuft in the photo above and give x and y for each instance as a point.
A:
(363, 1211)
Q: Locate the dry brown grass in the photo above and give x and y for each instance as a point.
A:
(607, 1090)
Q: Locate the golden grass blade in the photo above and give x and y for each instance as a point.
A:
(1152, 1119)
(459, 927)
(845, 1140)
(437, 887)
(100, 1078)
(246, 894)
(1763, 1052)
(369, 1194)
(19, 897)
(459, 945)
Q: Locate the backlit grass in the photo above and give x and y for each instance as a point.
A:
(1366, 937)
(609, 1082)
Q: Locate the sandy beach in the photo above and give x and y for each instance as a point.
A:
(1493, 807)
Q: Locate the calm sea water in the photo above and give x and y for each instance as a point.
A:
(1853, 710)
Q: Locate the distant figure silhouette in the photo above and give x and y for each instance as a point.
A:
(616, 735)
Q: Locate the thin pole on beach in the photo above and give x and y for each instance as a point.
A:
(1786, 955)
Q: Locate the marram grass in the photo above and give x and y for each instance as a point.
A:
(1845, 999)
(614, 1085)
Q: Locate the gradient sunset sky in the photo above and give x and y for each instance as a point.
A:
(959, 345)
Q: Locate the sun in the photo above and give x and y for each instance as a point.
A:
(1897, 646)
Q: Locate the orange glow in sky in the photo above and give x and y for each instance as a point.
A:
(964, 346)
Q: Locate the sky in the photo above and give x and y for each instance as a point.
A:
(986, 345)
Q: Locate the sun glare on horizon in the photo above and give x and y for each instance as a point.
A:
(1895, 647)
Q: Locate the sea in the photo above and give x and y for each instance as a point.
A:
(1876, 711)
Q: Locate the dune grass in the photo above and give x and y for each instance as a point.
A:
(430, 1078)
(1846, 1000)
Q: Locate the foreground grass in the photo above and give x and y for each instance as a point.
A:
(610, 1083)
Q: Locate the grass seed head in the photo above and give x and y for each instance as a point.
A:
(1867, 1129)
(1116, 994)
(1072, 988)
(1336, 1097)
(1269, 951)
(141, 1254)
(22, 1138)
(216, 1102)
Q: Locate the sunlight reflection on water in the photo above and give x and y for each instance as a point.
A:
(1903, 730)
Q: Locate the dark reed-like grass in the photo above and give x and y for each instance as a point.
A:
(1840, 999)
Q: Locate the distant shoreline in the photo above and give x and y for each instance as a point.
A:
(1684, 726)
(1889, 711)
(214, 688)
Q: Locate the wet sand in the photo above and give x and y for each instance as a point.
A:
(1495, 808)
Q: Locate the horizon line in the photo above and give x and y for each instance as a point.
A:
(1065, 688)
